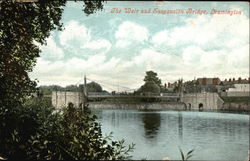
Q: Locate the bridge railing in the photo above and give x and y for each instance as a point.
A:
(148, 94)
(98, 94)
(169, 94)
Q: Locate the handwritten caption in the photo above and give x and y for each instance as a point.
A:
(188, 11)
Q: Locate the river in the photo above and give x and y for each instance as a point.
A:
(160, 134)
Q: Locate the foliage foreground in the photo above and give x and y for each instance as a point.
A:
(33, 130)
(36, 131)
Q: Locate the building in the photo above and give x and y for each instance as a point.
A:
(208, 81)
(61, 99)
(239, 90)
(236, 81)
(202, 85)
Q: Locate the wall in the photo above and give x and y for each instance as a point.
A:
(210, 101)
(239, 106)
(240, 88)
(61, 99)
(220, 102)
(138, 106)
(237, 94)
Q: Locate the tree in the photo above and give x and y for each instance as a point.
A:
(22, 27)
(152, 76)
(69, 134)
(71, 88)
(47, 90)
(91, 87)
(150, 87)
(26, 129)
(94, 87)
(74, 135)
(17, 126)
(152, 83)
(178, 87)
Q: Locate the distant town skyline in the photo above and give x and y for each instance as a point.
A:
(120, 47)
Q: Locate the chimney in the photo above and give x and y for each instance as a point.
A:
(229, 79)
(204, 81)
(165, 85)
(169, 84)
(216, 81)
(233, 79)
(239, 80)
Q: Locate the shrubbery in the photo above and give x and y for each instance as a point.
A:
(36, 131)
(30, 130)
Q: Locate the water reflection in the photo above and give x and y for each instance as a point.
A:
(215, 136)
(152, 123)
(180, 122)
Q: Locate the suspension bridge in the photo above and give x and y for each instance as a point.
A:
(120, 91)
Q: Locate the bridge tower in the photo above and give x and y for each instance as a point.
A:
(85, 94)
(181, 90)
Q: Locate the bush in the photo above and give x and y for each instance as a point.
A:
(18, 124)
(150, 87)
(35, 131)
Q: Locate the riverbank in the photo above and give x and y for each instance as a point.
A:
(242, 108)
(236, 106)
(138, 106)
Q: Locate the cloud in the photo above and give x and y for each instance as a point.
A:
(192, 55)
(97, 45)
(51, 50)
(214, 30)
(122, 43)
(194, 62)
(130, 31)
(163, 38)
(221, 62)
(49, 72)
(151, 58)
(207, 46)
(211, 45)
(238, 58)
(77, 41)
(75, 34)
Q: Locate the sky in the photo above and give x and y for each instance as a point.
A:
(116, 49)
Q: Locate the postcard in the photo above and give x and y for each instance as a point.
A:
(171, 78)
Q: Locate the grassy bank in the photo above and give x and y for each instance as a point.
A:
(235, 99)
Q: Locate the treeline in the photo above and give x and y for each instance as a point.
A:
(152, 85)
(91, 87)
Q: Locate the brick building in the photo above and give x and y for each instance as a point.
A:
(236, 81)
(208, 81)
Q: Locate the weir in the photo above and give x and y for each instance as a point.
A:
(172, 101)
(205, 100)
